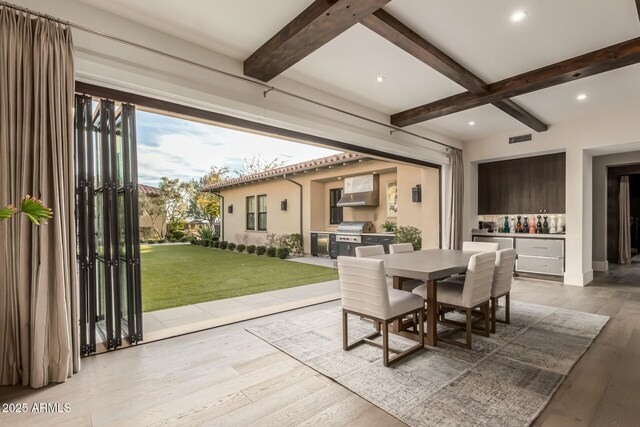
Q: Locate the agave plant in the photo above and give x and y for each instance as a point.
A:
(35, 210)
(206, 233)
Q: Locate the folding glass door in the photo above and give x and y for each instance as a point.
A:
(107, 221)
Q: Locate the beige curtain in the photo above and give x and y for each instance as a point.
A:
(624, 251)
(454, 220)
(38, 294)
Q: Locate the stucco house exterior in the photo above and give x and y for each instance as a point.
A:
(301, 198)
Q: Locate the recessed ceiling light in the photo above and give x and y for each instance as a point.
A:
(472, 123)
(518, 16)
(581, 97)
(380, 79)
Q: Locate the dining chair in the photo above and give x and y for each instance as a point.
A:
(364, 292)
(367, 251)
(502, 278)
(399, 248)
(471, 293)
(480, 246)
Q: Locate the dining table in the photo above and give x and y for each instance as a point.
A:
(430, 266)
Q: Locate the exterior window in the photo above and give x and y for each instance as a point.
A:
(335, 213)
(262, 212)
(251, 213)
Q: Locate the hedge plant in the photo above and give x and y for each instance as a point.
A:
(251, 249)
(223, 244)
(241, 248)
(409, 234)
(283, 252)
(261, 250)
(271, 251)
(216, 244)
(231, 246)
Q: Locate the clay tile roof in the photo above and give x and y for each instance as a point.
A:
(148, 190)
(285, 170)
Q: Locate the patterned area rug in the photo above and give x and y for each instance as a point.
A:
(506, 379)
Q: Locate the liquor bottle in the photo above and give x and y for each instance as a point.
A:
(519, 225)
(505, 228)
(525, 225)
(539, 225)
(545, 226)
(532, 225)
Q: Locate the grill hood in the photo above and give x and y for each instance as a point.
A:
(359, 191)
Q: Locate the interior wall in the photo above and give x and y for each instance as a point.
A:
(579, 139)
(108, 63)
(599, 212)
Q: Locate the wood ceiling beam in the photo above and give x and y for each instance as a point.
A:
(600, 61)
(318, 24)
(389, 27)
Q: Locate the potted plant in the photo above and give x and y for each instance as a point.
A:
(388, 227)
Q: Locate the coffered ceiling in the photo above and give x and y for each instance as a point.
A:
(478, 35)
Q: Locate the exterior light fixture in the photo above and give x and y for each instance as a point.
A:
(283, 205)
(230, 209)
(416, 194)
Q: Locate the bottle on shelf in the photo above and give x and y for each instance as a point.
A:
(545, 225)
(552, 225)
(525, 225)
(539, 225)
(532, 225)
(519, 224)
(505, 228)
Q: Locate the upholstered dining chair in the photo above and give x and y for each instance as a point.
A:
(367, 251)
(480, 246)
(365, 293)
(474, 291)
(502, 278)
(399, 248)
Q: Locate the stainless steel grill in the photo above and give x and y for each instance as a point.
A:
(356, 227)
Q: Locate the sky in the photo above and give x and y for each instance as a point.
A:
(178, 148)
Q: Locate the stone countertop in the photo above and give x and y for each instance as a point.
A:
(358, 234)
(520, 235)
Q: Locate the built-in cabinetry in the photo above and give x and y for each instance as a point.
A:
(325, 244)
(528, 185)
(537, 254)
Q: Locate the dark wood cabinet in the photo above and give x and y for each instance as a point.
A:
(528, 185)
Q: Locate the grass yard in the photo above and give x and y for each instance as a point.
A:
(177, 275)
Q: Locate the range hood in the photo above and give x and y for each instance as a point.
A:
(362, 190)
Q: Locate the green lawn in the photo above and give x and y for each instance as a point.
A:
(177, 275)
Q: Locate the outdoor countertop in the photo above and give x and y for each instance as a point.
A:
(344, 232)
(520, 235)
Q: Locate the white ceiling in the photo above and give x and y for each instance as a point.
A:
(478, 34)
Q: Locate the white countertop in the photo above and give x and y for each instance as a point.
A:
(520, 235)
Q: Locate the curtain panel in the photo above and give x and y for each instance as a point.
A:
(624, 251)
(38, 295)
(454, 222)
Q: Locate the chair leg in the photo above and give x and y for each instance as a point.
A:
(345, 331)
(385, 343)
(494, 302)
(487, 318)
(469, 327)
(421, 326)
(507, 308)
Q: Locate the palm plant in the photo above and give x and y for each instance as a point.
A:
(35, 210)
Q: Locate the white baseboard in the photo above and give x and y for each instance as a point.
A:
(601, 265)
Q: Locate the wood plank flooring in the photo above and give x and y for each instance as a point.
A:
(228, 377)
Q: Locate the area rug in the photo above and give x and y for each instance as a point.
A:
(506, 380)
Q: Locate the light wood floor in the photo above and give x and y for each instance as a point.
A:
(227, 376)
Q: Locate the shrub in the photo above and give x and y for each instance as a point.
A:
(261, 250)
(206, 243)
(151, 241)
(223, 244)
(171, 240)
(272, 239)
(241, 248)
(143, 241)
(251, 249)
(184, 239)
(193, 241)
(293, 242)
(231, 246)
(282, 252)
(216, 238)
(161, 240)
(271, 251)
(215, 244)
(409, 234)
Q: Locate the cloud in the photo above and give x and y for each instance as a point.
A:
(178, 148)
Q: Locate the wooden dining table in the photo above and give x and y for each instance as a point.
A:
(430, 266)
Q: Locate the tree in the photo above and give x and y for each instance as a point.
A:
(168, 206)
(203, 204)
(257, 164)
